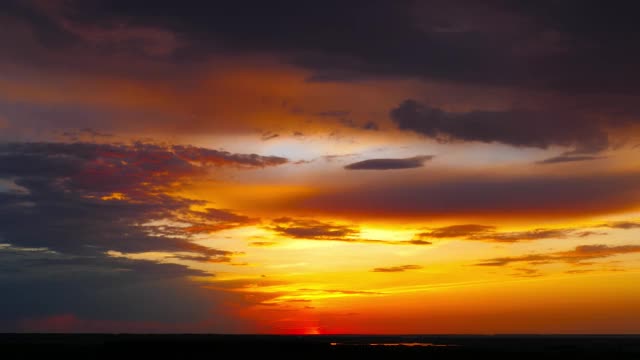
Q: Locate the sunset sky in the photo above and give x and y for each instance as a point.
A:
(319, 167)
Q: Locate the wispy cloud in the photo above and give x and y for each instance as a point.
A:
(576, 256)
(475, 232)
(401, 268)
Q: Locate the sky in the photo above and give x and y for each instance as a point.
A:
(319, 167)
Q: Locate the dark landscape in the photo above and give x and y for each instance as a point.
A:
(118, 346)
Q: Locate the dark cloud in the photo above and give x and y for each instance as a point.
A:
(419, 242)
(370, 125)
(77, 135)
(475, 195)
(401, 268)
(343, 117)
(350, 123)
(622, 225)
(454, 231)
(209, 220)
(269, 135)
(578, 255)
(545, 47)
(489, 233)
(94, 198)
(536, 234)
(316, 230)
(208, 157)
(569, 158)
(572, 47)
(390, 164)
(119, 291)
(512, 127)
(93, 205)
(589, 233)
(99, 161)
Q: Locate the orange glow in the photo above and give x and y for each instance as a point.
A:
(224, 177)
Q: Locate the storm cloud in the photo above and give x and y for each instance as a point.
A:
(520, 128)
(72, 213)
(389, 164)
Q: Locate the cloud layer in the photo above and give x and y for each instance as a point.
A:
(484, 196)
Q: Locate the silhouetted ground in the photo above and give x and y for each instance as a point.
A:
(116, 347)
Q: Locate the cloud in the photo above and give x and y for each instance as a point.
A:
(401, 268)
(308, 229)
(489, 233)
(98, 162)
(269, 135)
(342, 117)
(498, 44)
(536, 234)
(99, 288)
(111, 197)
(474, 232)
(85, 133)
(262, 243)
(208, 157)
(209, 220)
(370, 125)
(482, 196)
(390, 164)
(589, 233)
(454, 231)
(419, 242)
(622, 225)
(313, 229)
(576, 256)
(520, 128)
(568, 158)
(527, 272)
(95, 204)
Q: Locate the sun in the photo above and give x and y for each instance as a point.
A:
(313, 330)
